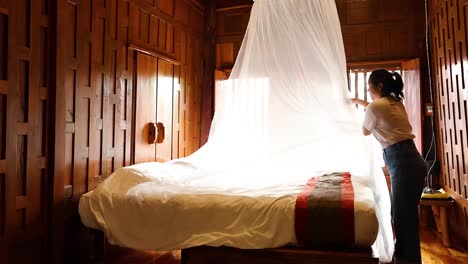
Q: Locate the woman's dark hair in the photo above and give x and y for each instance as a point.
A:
(392, 84)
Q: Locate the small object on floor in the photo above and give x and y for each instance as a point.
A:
(430, 193)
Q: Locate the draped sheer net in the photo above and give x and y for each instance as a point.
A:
(285, 114)
(281, 118)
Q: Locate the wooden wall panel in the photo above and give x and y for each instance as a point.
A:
(94, 97)
(231, 24)
(94, 106)
(449, 35)
(25, 86)
(382, 30)
(166, 6)
(372, 29)
(170, 28)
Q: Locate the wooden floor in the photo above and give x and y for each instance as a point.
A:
(129, 256)
(432, 250)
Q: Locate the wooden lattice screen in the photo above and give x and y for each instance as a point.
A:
(95, 84)
(449, 50)
(449, 37)
(24, 117)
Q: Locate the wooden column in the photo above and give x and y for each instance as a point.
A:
(209, 58)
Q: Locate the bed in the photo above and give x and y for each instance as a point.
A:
(139, 208)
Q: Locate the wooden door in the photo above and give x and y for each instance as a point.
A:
(411, 74)
(145, 106)
(154, 82)
(164, 103)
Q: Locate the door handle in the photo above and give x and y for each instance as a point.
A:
(160, 133)
(156, 133)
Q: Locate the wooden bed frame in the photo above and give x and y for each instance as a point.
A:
(227, 255)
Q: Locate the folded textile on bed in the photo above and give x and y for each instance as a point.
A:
(324, 213)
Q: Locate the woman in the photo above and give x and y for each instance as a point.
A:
(387, 120)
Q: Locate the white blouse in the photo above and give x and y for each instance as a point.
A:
(388, 121)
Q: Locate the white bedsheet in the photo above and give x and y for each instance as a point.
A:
(136, 207)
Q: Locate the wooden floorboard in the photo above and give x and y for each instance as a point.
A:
(432, 250)
(118, 255)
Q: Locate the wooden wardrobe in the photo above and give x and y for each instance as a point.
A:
(156, 97)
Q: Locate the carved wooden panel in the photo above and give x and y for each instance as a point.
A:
(25, 53)
(94, 97)
(449, 43)
(95, 130)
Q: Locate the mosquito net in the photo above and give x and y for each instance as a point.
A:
(285, 112)
(283, 117)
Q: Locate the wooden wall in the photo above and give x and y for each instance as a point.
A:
(95, 95)
(66, 107)
(231, 23)
(382, 30)
(25, 87)
(372, 29)
(449, 52)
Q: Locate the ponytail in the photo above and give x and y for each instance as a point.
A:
(392, 83)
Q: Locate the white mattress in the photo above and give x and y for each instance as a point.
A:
(153, 206)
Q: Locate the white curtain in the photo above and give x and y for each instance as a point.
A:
(285, 112)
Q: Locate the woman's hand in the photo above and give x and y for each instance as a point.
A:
(359, 102)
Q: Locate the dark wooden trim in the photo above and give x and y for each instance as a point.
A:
(437, 202)
(192, 3)
(197, 4)
(456, 197)
(58, 150)
(212, 255)
(209, 65)
(133, 54)
(233, 7)
(375, 63)
(154, 54)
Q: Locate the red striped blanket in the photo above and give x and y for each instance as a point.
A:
(324, 214)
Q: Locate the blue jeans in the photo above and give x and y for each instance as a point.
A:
(408, 171)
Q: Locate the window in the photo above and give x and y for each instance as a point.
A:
(358, 74)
